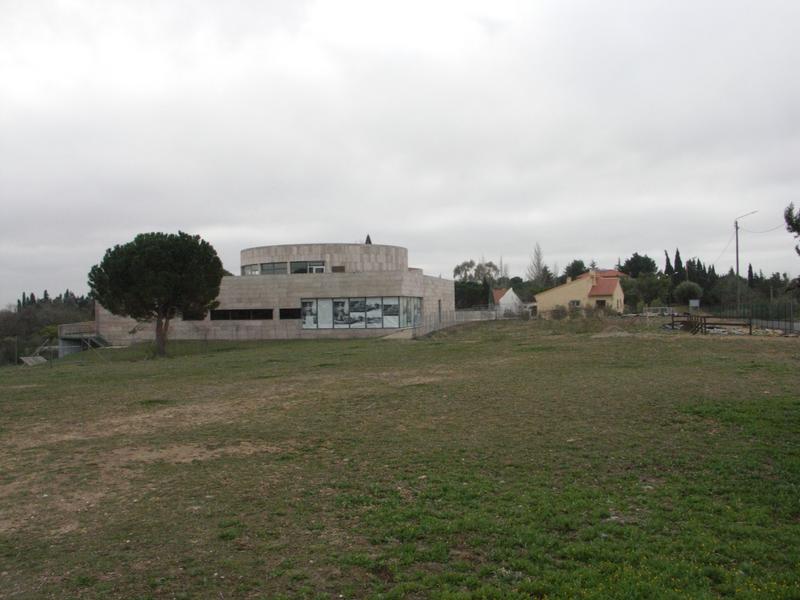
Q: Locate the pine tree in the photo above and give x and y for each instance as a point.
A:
(680, 272)
(189, 274)
(668, 270)
(750, 276)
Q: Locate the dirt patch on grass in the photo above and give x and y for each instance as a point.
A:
(183, 453)
(401, 379)
(39, 501)
(612, 332)
(208, 406)
(418, 380)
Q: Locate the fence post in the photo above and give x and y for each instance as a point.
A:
(751, 319)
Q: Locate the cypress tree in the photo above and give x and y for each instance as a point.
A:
(680, 272)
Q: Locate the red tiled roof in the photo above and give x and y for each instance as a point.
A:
(605, 286)
(497, 294)
(603, 273)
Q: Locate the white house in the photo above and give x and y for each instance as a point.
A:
(506, 300)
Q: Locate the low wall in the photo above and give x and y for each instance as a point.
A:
(488, 314)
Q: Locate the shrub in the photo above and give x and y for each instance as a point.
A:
(688, 290)
(559, 312)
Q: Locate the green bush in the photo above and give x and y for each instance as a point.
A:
(688, 290)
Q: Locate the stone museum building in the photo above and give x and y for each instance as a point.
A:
(306, 291)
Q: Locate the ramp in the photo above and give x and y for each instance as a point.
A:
(32, 361)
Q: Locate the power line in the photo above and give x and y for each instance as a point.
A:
(765, 231)
(724, 249)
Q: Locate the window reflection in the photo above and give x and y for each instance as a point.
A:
(379, 312)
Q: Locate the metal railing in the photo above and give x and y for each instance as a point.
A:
(783, 316)
(702, 323)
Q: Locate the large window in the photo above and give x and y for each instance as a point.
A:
(274, 268)
(391, 312)
(341, 313)
(308, 309)
(290, 313)
(242, 314)
(250, 270)
(307, 266)
(374, 313)
(360, 313)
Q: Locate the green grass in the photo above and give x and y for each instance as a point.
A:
(500, 460)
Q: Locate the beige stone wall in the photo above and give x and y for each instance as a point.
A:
(577, 289)
(435, 289)
(355, 258)
(618, 299)
(121, 331)
(286, 291)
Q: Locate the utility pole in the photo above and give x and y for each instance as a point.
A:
(738, 283)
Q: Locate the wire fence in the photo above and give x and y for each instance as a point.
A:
(431, 322)
(783, 315)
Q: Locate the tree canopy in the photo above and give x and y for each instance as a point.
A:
(575, 268)
(470, 271)
(792, 218)
(34, 319)
(158, 276)
(639, 265)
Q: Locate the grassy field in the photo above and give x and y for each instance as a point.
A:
(500, 460)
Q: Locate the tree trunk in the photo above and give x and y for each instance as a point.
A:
(162, 327)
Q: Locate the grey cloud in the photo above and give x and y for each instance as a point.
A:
(595, 129)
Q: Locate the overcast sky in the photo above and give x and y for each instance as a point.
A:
(457, 129)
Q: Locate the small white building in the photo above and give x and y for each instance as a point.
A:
(506, 300)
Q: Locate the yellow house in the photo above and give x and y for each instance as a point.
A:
(596, 288)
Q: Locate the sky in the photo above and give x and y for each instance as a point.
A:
(457, 129)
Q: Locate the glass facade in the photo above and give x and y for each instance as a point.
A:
(282, 268)
(307, 266)
(359, 313)
(274, 268)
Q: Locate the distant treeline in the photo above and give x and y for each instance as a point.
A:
(35, 319)
(647, 284)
